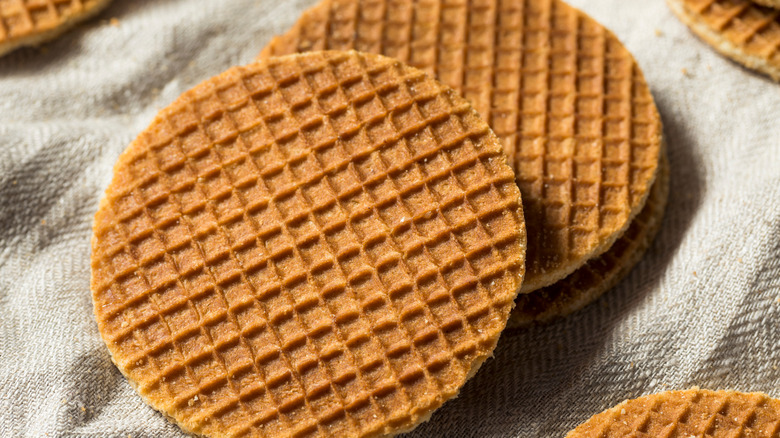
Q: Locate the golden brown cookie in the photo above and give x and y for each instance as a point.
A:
(326, 244)
(32, 22)
(739, 29)
(684, 414)
(567, 100)
(599, 274)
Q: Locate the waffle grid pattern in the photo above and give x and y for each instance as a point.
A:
(683, 414)
(600, 274)
(262, 269)
(22, 18)
(569, 103)
(752, 28)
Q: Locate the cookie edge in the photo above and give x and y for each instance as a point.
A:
(568, 307)
(36, 39)
(477, 362)
(615, 411)
(721, 44)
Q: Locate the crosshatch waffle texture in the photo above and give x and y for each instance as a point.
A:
(685, 414)
(602, 273)
(740, 29)
(325, 244)
(567, 100)
(30, 22)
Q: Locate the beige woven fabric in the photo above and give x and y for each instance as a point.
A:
(700, 309)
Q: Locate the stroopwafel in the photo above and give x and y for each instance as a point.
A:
(686, 414)
(567, 100)
(602, 273)
(32, 22)
(739, 29)
(326, 244)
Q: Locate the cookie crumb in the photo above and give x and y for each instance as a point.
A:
(659, 33)
(685, 72)
(114, 22)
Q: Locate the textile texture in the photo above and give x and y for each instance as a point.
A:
(700, 309)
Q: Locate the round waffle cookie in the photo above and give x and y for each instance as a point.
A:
(602, 273)
(326, 244)
(567, 100)
(739, 29)
(686, 414)
(32, 22)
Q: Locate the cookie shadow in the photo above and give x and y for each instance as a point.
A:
(527, 388)
(686, 192)
(93, 383)
(749, 341)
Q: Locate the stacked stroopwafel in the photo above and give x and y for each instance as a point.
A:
(326, 244)
(743, 30)
(601, 273)
(568, 102)
(686, 414)
(330, 243)
(31, 22)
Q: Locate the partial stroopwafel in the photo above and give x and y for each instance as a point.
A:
(568, 101)
(685, 414)
(32, 22)
(739, 29)
(326, 244)
(602, 273)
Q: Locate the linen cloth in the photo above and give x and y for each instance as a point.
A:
(702, 308)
